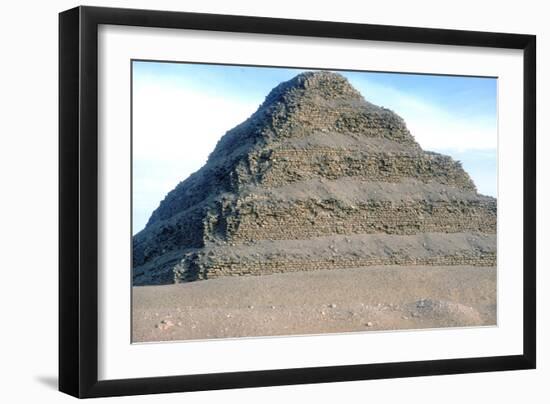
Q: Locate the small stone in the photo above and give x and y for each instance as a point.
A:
(405, 318)
(250, 307)
(165, 324)
(369, 324)
(332, 306)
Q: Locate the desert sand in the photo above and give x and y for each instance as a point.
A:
(316, 302)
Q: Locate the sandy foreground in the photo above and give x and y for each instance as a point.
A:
(317, 302)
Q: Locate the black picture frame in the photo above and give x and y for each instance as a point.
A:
(78, 201)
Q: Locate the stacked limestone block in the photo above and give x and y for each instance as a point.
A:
(316, 178)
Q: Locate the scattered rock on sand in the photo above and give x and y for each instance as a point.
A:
(301, 301)
(454, 313)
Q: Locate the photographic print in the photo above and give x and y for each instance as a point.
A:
(248, 201)
(273, 201)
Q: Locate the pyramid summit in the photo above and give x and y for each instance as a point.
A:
(313, 102)
(324, 84)
(316, 178)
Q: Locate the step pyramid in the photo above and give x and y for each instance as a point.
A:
(316, 178)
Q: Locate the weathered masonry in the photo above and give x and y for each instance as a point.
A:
(316, 178)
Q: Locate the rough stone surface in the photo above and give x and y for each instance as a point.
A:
(316, 162)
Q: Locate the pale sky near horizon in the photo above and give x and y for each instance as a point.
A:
(180, 111)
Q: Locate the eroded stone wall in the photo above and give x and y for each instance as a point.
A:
(222, 268)
(307, 219)
(292, 165)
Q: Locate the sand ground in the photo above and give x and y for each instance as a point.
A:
(317, 302)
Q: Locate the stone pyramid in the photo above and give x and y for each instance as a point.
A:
(316, 178)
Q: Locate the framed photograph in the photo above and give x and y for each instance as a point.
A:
(251, 201)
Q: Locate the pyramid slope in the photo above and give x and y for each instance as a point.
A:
(315, 161)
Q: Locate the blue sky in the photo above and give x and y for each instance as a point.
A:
(181, 110)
